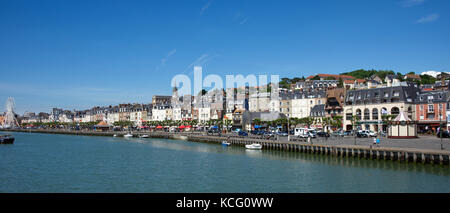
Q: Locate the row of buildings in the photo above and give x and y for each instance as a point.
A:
(365, 100)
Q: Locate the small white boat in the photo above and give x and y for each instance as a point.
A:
(143, 136)
(128, 135)
(225, 143)
(114, 135)
(253, 146)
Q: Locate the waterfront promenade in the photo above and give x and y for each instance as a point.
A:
(423, 150)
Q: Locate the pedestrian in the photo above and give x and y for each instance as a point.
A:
(374, 141)
(378, 142)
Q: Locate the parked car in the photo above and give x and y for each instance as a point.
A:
(445, 134)
(269, 135)
(257, 132)
(371, 133)
(214, 131)
(348, 133)
(242, 133)
(282, 133)
(362, 134)
(307, 135)
(337, 134)
(323, 134)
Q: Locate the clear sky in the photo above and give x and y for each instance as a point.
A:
(79, 54)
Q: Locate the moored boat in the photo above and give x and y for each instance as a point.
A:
(143, 136)
(253, 146)
(225, 143)
(6, 139)
(128, 135)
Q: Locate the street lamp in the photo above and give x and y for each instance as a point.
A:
(440, 127)
(288, 129)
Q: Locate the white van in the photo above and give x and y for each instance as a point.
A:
(302, 132)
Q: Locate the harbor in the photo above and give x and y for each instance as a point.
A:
(400, 154)
(39, 162)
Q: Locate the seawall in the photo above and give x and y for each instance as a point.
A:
(406, 155)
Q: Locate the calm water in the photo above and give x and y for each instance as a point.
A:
(65, 163)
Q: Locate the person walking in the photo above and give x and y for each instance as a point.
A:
(378, 142)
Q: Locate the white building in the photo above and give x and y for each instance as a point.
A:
(161, 113)
(112, 117)
(302, 104)
(87, 117)
(259, 102)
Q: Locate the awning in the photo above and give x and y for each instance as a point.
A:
(159, 127)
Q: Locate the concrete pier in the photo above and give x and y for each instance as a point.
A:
(387, 153)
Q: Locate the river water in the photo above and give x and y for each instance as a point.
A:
(67, 163)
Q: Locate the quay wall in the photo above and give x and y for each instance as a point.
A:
(407, 155)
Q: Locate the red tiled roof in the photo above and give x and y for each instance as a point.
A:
(349, 81)
(413, 76)
(334, 76)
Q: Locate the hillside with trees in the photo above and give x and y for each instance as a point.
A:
(364, 74)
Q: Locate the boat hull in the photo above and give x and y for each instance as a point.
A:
(7, 141)
(254, 146)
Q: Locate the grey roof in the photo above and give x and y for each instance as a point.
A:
(432, 97)
(382, 95)
(439, 83)
(391, 77)
(318, 110)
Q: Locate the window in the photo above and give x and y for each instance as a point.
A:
(348, 116)
(396, 94)
(358, 114)
(431, 108)
(375, 114)
(366, 114)
(395, 111)
(421, 107)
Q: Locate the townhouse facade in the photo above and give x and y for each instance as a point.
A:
(431, 110)
(364, 109)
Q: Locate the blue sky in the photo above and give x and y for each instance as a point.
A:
(78, 54)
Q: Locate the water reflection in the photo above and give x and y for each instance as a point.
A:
(181, 145)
